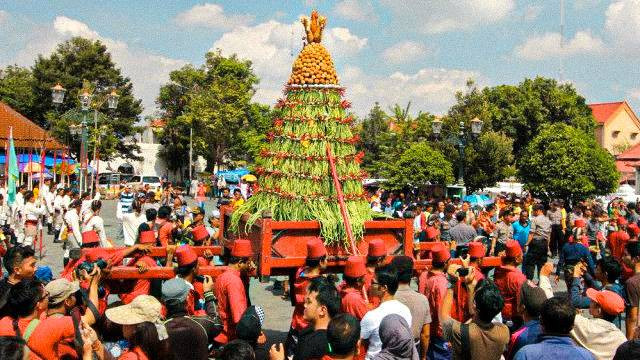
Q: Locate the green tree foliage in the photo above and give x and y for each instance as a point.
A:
(71, 64)
(374, 139)
(214, 100)
(488, 159)
(564, 162)
(418, 165)
(520, 110)
(15, 89)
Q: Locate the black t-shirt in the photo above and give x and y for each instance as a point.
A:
(5, 287)
(311, 345)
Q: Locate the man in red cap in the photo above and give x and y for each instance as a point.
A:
(460, 308)
(433, 284)
(509, 279)
(375, 258)
(230, 290)
(618, 239)
(353, 302)
(188, 271)
(598, 334)
(143, 262)
(315, 264)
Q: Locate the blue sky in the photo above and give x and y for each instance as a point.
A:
(386, 51)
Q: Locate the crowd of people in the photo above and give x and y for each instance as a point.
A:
(377, 308)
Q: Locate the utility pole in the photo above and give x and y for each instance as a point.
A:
(190, 152)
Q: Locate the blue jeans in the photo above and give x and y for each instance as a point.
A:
(439, 349)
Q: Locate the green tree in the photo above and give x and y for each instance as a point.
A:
(520, 111)
(16, 85)
(488, 159)
(564, 162)
(73, 63)
(418, 165)
(374, 135)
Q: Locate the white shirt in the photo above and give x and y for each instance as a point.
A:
(57, 203)
(96, 224)
(33, 212)
(72, 219)
(130, 223)
(66, 201)
(371, 323)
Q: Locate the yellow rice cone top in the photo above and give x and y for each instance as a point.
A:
(314, 65)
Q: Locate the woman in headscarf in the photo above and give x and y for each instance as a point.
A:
(397, 340)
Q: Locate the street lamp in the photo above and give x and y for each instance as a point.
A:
(85, 104)
(460, 140)
(57, 94)
(112, 99)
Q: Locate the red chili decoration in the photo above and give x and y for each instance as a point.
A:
(345, 104)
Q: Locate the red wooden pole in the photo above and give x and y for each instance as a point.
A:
(343, 207)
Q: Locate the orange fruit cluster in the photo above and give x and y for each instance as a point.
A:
(313, 66)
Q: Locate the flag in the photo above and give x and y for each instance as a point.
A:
(13, 173)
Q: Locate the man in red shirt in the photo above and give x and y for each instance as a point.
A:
(509, 279)
(353, 302)
(187, 270)
(619, 239)
(376, 257)
(460, 308)
(230, 291)
(164, 226)
(433, 284)
(315, 264)
(143, 262)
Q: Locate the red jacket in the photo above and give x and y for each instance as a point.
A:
(353, 302)
(141, 286)
(509, 281)
(460, 308)
(617, 242)
(434, 287)
(232, 302)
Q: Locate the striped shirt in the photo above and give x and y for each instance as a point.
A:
(126, 199)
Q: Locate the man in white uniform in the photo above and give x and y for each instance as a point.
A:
(72, 221)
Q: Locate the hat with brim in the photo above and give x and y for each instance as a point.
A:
(142, 308)
(60, 289)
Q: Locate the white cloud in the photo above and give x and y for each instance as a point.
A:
(428, 89)
(623, 25)
(404, 52)
(548, 46)
(147, 71)
(437, 16)
(273, 48)
(356, 10)
(635, 94)
(212, 16)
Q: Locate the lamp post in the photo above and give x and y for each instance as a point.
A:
(460, 140)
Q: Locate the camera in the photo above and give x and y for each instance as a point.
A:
(88, 266)
(462, 272)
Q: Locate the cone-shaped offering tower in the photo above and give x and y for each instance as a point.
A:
(296, 181)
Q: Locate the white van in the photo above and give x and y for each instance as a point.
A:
(139, 182)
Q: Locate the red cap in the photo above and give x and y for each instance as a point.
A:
(315, 249)
(202, 261)
(579, 223)
(186, 255)
(95, 254)
(622, 221)
(513, 248)
(377, 248)
(355, 267)
(476, 249)
(634, 229)
(241, 248)
(199, 233)
(440, 253)
(90, 237)
(147, 237)
(610, 302)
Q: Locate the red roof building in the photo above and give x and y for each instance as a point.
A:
(617, 126)
(26, 134)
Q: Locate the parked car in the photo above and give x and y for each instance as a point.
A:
(139, 182)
